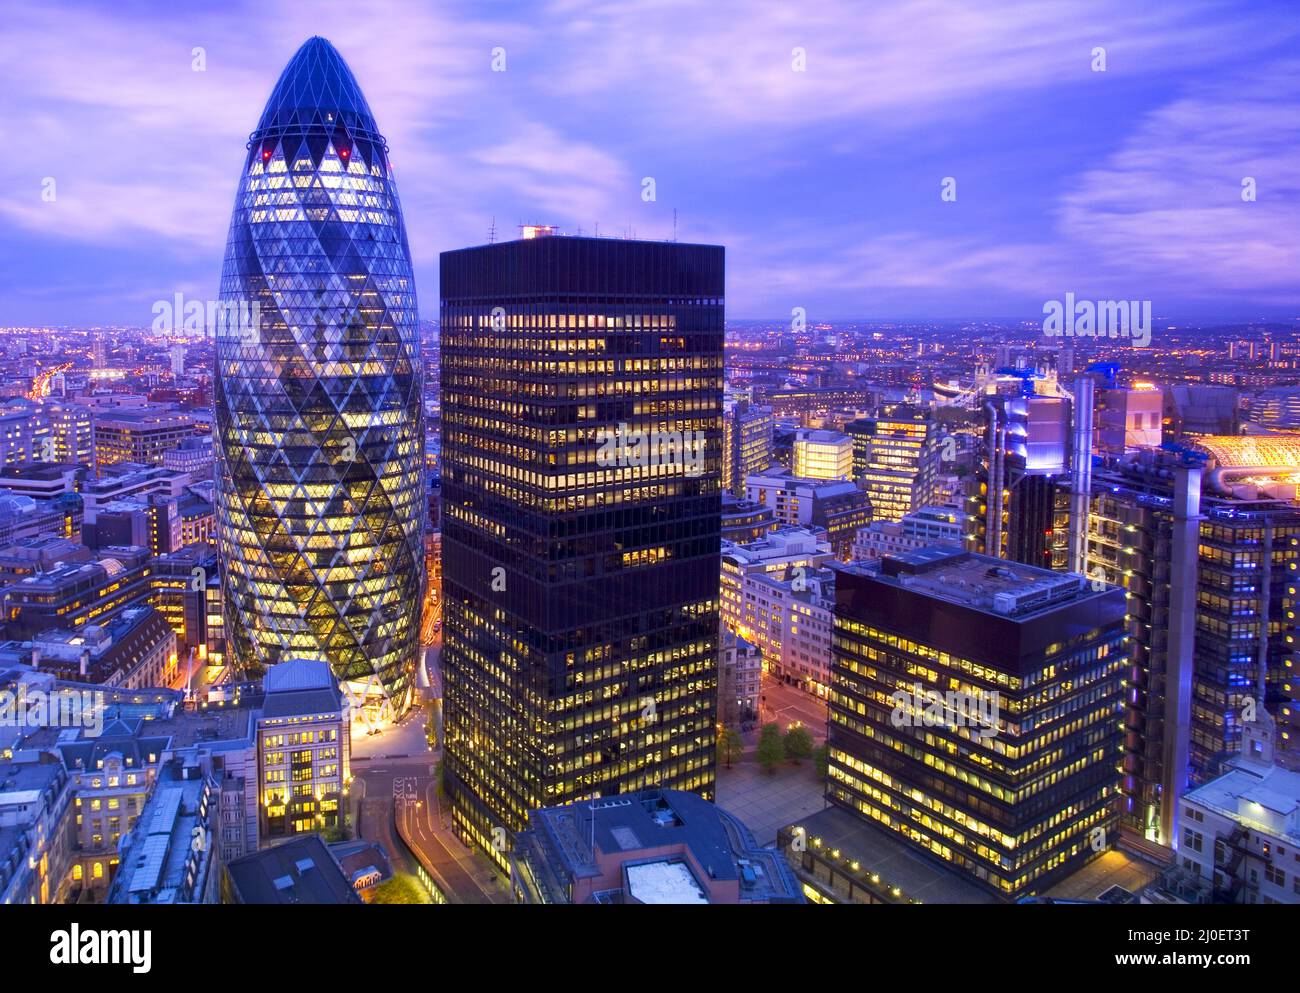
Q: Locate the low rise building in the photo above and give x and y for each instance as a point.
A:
(740, 671)
(654, 846)
(300, 870)
(1241, 831)
(36, 829)
(778, 595)
(928, 526)
(171, 855)
(134, 650)
(304, 748)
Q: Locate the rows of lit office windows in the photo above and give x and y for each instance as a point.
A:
(511, 321)
(1047, 723)
(1074, 820)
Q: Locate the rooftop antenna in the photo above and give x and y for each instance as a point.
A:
(492, 232)
(674, 224)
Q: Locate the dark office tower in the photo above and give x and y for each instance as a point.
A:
(319, 415)
(581, 498)
(975, 712)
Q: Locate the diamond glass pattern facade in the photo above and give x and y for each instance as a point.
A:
(320, 424)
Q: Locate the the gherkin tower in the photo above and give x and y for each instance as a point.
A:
(319, 418)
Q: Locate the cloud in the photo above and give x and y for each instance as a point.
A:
(1166, 205)
(778, 165)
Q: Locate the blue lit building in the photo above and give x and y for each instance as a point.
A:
(319, 421)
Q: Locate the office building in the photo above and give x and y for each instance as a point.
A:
(740, 673)
(744, 521)
(1189, 547)
(172, 855)
(141, 437)
(297, 871)
(134, 650)
(113, 777)
(747, 445)
(318, 394)
(779, 595)
(36, 829)
(975, 712)
(927, 526)
(1128, 419)
(895, 458)
(838, 507)
(1240, 837)
(581, 486)
(74, 595)
(822, 454)
(45, 432)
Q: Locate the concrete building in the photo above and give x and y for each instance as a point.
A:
(304, 748)
(195, 456)
(778, 595)
(134, 650)
(23, 516)
(1128, 419)
(36, 829)
(1240, 836)
(744, 521)
(45, 432)
(839, 507)
(139, 436)
(171, 855)
(1190, 557)
(650, 847)
(35, 556)
(740, 672)
(113, 777)
(895, 458)
(927, 526)
(300, 870)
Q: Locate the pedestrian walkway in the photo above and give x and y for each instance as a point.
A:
(766, 802)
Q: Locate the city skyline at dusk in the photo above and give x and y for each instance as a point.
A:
(830, 455)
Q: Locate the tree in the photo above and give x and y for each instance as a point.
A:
(729, 745)
(400, 889)
(798, 743)
(822, 761)
(436, 770)
(771, 747)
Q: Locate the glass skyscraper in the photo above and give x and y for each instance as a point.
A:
(581, 509)
(319, 416)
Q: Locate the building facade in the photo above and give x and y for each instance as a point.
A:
(975, 712)
(580, 569)
(319, 416)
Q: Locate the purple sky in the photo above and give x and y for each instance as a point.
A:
(823, 184)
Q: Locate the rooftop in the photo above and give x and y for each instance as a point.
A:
(886, 862)
(981, 582)
(301, 870)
